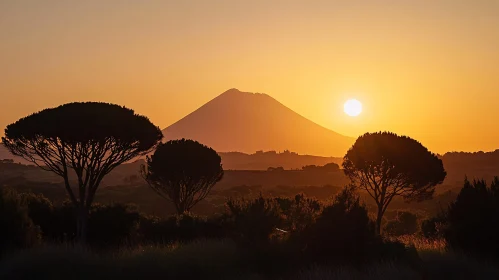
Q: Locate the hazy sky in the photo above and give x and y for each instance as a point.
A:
(428, 69)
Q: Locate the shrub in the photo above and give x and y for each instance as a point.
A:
(472, 219)
(17, 229)
(434, 227)
(405, 223)
(41, 211)
(182, 228)
(299, 212)
(111, 225)
(253, 221)
(343, 233)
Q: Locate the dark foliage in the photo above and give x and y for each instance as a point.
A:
(113, 225)
(253, 221)
(298, 212)
(109, 225)
(183, 171)
(41, 212)
(472, 219)
(434, 227)
(90, 138)
(181, 228)
(330, 167)
(387, 165)
(17, 229)
(261, 220)
(343, 232)
(405, 223)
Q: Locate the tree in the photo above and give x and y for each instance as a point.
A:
(387, 165)
(183, 171)
(89, 138)
(472, 219)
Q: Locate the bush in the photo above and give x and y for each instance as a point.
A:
(182, 228)
(472, 219)
(299, 212)
(253, 221)
(434, 227)
(41, 211)
(109, 225)
(405, 223)
(112, 225)
(17, 229)
(343, 233)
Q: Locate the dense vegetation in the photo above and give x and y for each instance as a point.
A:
(262, 236)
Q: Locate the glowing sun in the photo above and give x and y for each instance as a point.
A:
(352, 107)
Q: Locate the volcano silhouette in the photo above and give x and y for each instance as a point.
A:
(249, 122)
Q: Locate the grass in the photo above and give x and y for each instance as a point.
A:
(222, 259)
(423, 244)
(207, 259)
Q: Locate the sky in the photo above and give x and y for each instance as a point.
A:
(428, 69)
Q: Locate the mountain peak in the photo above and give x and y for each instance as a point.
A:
(237, 92)
(248, 122)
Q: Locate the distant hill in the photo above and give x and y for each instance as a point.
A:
(241, 161)
(5, 154)
(475, 165)
(249, 122)
(263, 160)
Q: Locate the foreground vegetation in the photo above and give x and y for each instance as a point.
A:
(220, 259)
(257, 238)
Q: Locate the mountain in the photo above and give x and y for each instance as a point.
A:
(249, 122)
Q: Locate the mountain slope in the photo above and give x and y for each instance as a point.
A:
(250, 122)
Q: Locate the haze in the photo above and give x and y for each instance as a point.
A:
(426, 69)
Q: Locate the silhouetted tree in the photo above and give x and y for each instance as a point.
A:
(277, 169)
(472, 219)
(330, 167)
(89, 138)
(183, 171)
(387, 165)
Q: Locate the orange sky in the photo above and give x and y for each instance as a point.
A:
(428, 69)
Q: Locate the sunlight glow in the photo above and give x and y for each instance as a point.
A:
(353, 107)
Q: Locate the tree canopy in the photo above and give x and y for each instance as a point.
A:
(90, 138)
(183, 171)
(387, 165)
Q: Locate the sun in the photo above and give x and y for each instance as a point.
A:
(352, 107)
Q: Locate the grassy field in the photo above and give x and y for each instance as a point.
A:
(222, 259)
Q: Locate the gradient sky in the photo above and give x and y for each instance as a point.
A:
(428, 69)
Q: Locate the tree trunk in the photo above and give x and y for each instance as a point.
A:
(379, 219)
